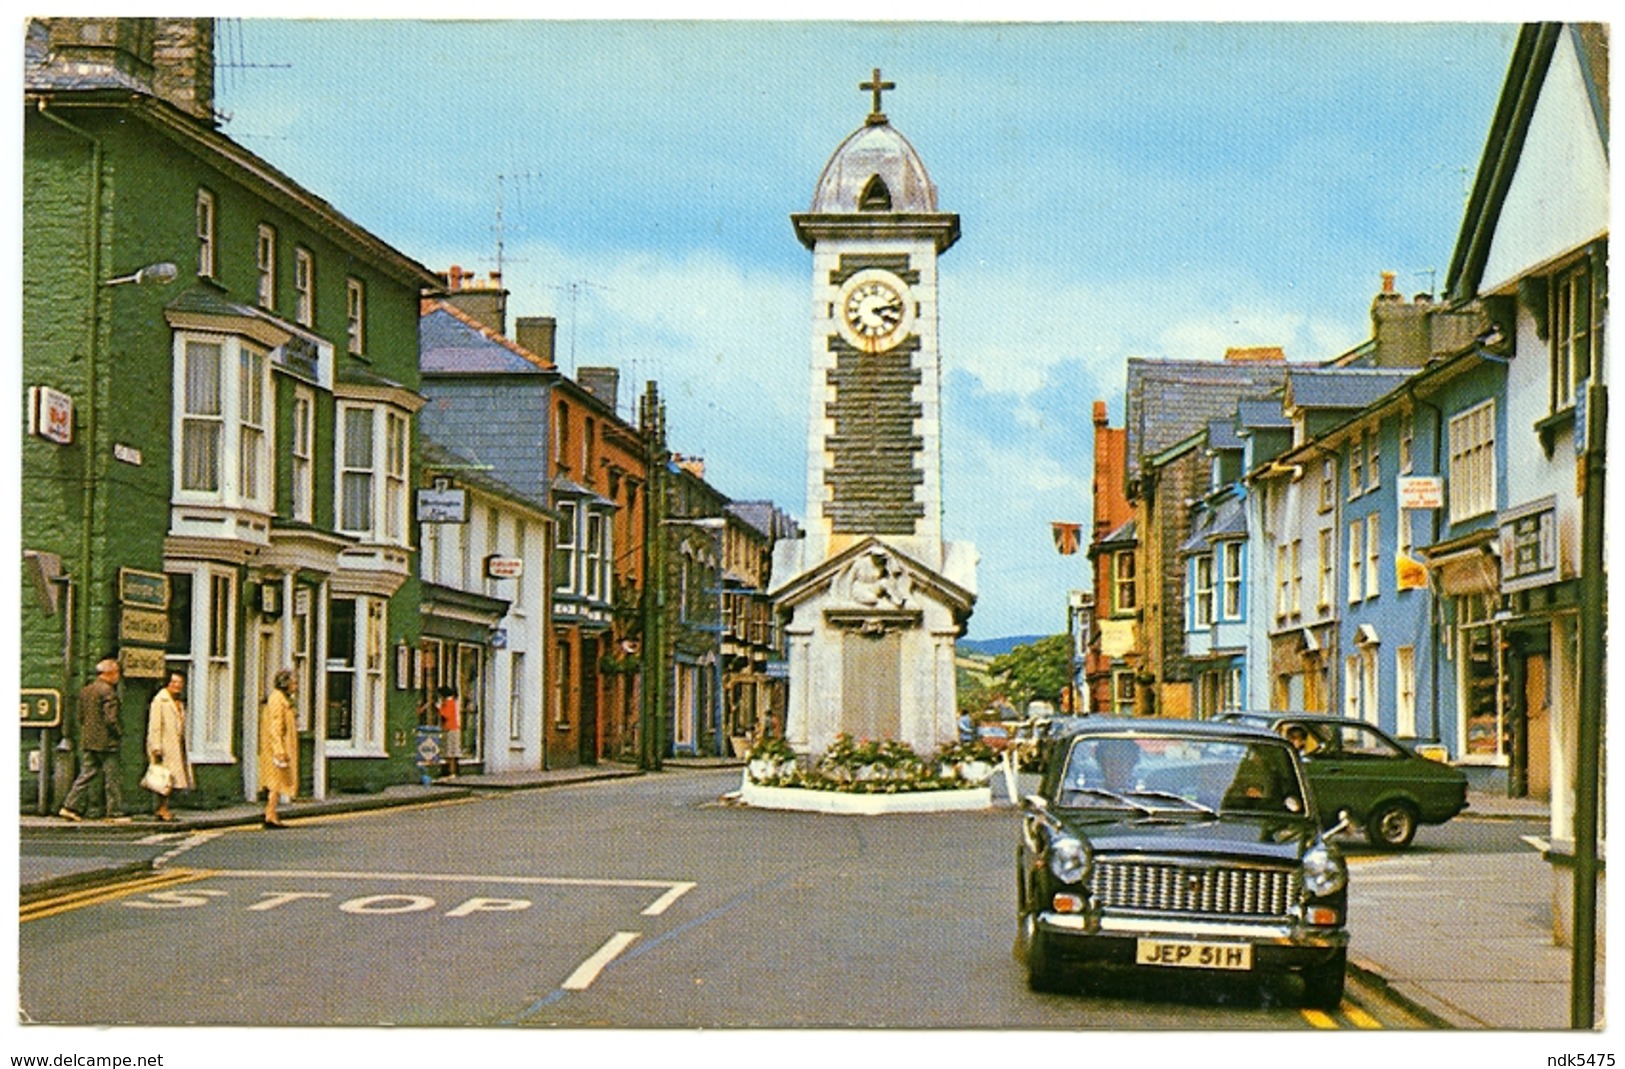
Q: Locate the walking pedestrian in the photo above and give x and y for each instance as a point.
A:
(100, 736)
(451, 723)
(279, 747)
(166, 740)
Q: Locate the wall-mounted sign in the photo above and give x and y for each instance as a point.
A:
(50, 414)
(504, 567)
(441, 504)
(146, 590)
(499, 638)
(128, 454)
(142, 663)
(42, 707)
(1421, 491)
(144, 626)
(1529, 546)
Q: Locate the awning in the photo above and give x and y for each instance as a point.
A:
(1466, 565)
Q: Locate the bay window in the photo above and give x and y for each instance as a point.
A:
(219, 415)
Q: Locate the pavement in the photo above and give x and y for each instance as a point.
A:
(1493, 911)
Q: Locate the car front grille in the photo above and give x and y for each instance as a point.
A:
(1218, 890)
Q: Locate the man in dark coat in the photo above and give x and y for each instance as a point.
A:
(100, 736)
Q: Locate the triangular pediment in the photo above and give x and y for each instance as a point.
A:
(872, 573)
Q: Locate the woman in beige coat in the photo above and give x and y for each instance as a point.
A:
(166, 739)
(279, 747)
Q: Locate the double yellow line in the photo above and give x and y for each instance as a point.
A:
(1356, 1016)
(91, 896)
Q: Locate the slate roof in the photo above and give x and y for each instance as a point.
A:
(1221, 434)
(1167, 400)
(1261, 415)
(451, 342)
(1344, 387)
(437, 456)
(1126, 535)
(1226, 520)
(766, 517)
(40, 73)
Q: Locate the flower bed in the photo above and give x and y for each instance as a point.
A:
(879, 766)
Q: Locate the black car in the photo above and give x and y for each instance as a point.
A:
(1386, 787)
(1169, 845)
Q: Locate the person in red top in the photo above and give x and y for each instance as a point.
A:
(451, 723)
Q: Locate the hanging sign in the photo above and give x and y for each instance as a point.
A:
(441, 504)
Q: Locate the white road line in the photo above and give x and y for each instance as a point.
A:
(588, 970)
(661, 904)
(192, 841)
(673, 889)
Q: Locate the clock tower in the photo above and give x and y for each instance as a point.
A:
(873, 595)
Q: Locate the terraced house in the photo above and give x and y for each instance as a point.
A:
(217, 470)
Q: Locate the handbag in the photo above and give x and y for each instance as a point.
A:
(157, 779)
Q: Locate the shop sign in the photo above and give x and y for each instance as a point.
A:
(504, 567)
(147, 590)
(1529, 546)
(143, 663)
(50, 414)
(144, 626)
(441, 504)
(1421, 491)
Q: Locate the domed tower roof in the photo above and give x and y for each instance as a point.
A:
(876, 185)
(875, 170)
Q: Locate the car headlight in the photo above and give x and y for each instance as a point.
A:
(1323, 870)
(1069, 859)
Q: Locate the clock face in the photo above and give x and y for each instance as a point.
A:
(874, 310)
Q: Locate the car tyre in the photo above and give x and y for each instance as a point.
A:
(1323, 984)
(1392, 826)
(1044, 974)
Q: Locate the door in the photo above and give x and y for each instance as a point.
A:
(266, 650)
(1537, 697)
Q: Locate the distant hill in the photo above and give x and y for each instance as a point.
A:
(993, 647)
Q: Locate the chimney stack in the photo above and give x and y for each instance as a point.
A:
(1400, 330)
(536, 334)
(602, 382)
(172, 59)
(485, 303)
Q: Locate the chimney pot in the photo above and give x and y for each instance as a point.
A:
(1388, 282)
(1100, 413)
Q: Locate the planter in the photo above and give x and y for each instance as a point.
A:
(845, 803)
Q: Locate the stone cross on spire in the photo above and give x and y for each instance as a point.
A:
(876, 86)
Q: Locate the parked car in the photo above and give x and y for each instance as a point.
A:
(1387, 788)
(1172, 845)
(995, 735)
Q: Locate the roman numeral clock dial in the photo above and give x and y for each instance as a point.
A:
(874, 311)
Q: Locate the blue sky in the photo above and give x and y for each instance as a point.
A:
(1124, 189)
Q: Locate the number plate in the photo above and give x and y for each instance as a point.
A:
(1183, 955)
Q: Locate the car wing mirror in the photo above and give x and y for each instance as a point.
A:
(1036, 803)
(1345, 822)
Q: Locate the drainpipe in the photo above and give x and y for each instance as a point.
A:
(90, 451)
(1437, 613)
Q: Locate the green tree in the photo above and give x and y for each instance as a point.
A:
(1038, 670)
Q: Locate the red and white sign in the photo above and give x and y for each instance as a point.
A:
(50, 414)
(504, 567)
(1421, 492)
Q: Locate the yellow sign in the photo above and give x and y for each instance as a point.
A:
(142, 663)
(1409, 574)
(144, 626)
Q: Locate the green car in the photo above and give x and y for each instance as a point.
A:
(1386, 787)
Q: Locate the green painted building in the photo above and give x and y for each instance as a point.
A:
(220, 388)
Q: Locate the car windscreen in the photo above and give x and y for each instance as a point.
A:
(1166, 772)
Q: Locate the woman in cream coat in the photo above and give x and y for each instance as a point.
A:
(279, 747)
(166, 739)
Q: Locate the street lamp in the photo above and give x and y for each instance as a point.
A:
(161, 274)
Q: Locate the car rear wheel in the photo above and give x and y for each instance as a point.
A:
(1323, 984)
(1392, 826)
